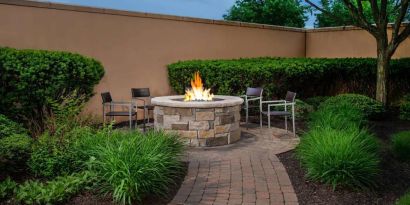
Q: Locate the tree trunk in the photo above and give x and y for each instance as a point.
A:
(383, 60)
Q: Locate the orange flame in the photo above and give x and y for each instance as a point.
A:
(197, 92)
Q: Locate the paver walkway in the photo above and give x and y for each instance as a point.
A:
(247, 172)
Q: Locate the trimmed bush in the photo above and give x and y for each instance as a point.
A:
(401, 145)
(131, 165)
(14, 151)
(340, 158)
(405, 108)
(52, 192)
(31, 78)
(316, 101)
(307, 76)
(368, 106)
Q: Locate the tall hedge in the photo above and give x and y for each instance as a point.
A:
(31, 78)
(308, 77)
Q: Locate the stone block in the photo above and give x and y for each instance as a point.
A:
(205, 110)
(177, 111)
(187, 118)
(188, 134)
(227, 119)
(237, 116)
(198, 125)
(159, 118)
(159, 110)
(179, 126)
(234, 136)
(218, 140)
(234, 126)
(222, 128)
(169, 120)
(204, 116)
(219, 110)
(206, 133)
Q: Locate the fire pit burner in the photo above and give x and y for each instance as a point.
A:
(200, 123)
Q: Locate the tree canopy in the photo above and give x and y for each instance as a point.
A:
(275, 12)
(342, 16)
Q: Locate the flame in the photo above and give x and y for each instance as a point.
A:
(197, 91)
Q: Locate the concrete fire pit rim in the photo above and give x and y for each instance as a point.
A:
(170, 101)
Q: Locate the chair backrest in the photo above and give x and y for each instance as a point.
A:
(290, 96)
(140, 92)
(106, 97)
(254, 92)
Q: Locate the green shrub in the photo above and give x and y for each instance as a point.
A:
(307, 76)
(14, 151)
(405, 108)
(316, 101)
(342, 117)
(7, 188)
(53, 156)
(401, 145)
(56, 191)
(340, 158)
(9, 127)
(131, 165)
(30, 78)
(368, 106)
(404, 200)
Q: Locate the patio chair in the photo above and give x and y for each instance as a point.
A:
(252, 94)
(288, 101)
(143, 95)
(107, 101)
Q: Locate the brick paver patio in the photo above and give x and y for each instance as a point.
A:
(247, 172)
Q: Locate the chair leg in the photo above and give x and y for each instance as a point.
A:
(269, 121)
(293, 122)
(260, 119)
(246, 118)
(286, 123)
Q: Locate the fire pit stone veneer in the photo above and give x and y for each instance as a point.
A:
(200, 123)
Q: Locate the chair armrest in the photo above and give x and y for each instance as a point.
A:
(282, 104)
(255, 98)
(274, 101)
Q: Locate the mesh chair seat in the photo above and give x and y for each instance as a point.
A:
(277, 113)
(114, 113)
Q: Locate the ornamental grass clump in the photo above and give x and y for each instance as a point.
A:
(401, 145)
(340, 158)
(131, 165)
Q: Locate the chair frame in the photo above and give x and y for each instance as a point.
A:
(113, 104)
(277, 103)
(145, 108)
(249, 98)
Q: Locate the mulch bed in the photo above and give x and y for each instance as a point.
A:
(394, 179)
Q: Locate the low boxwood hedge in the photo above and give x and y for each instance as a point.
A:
(308, 77)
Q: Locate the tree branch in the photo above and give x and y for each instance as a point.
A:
(397, 38)
(328, 13)
(394, 43)
(361, 19)
(375, 11)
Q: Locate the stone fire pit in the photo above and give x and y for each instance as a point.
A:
(200, 123)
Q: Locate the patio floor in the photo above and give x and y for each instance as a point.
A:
(247, 172)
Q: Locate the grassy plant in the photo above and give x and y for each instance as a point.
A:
(342, 117)
(401, 145)
(405, 108)
(55, 191)
(340, 158)
(131, 165)
(14, 152)
(404, 200)
(7, 188)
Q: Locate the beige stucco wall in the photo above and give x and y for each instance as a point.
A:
(345, 42)
(136, 47)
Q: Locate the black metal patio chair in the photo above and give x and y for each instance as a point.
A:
(290, 100)
(107, 101)
(252, 95)
(143, 95)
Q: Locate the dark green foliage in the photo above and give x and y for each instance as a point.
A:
(337, 149)
(401, 145)
(405, 108)
(342, 17)
(9, 127)
(131, 165)
(56, 191)
(340, 158)
(404, 200)
(368, 106)
(308, 77)
(14, 151)
(31, 78)
(316, 101)
(275, 12)
(7, 188)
